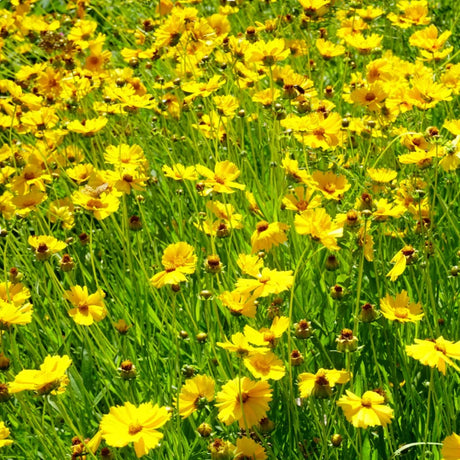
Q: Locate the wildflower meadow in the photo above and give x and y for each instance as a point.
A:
(229, 229)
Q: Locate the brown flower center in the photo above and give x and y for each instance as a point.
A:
(134, 428)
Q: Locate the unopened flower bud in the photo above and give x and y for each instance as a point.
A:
(213, 264)
(127, 370)
(296, 358)
(266, 425)
(332, 263)
(346, 341)
(122, 326)
(4, 362)
(201, 337)
(221, 450)
(336, 440)
(66, 264)
(84, 239)
(205, 430)
(4, 393)
(135, 223)
(302, 329)
(205, 294)
(368, 313)
(337, 292)
(15, 275)
(188, 371)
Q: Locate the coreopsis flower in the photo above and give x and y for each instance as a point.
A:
(315, 8)
(247, 448)
(11, 314)
(180, 172)
(365, 411)
(451, 447)
(384, 210)
(88, 127)
(316, 130)
(266, 282)
(329, 184)
(222, 179)
(412, 13)
(364, 45)
(226, 105)
(301, 199)
(178, 259)
(221, 450)
(371, 96)
(267, 53)
(4, 433)
(429, 40)
(244, 401)
(293, 170)
(328, 49)
(101, 203)
(268, 235)
(400, 308)
(426, 93)
(45, 246)
(435, 353)
(401, 259)
(124, 155)
(240, 345)
(15, 293)
(250, 264)
(382, 175)
(202, 89)
(32, 177)
(320, 384)
(81, 449)
(62, 211)
(51, 378)
(194, 394)
(267, 336)
(88, 307)
(265, 366)
(239, 304)
(319, 225)
(421, 158)
(136, 424)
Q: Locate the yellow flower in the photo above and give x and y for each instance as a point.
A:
(194, 394)
(244, 401)
(265, 366)
(15, 293)
(51, 377)
(14, 314)
(136, 424)
(320, 384)
(451, 447)
(426, 93)
(401, 308)
(180, 172)
(329, 184)
(372, 96)
(268, 235)
(45, 246)
(4, 433)
(328, 49)
(301, 199)
(435, 353)
(318, 224)
(88, 308)
(364, 45)
(87, 127)
(247, 448)
(239, 304)
(178, 260)
(266, 282)
(402, 258)
(267, 336)
(101, 203)
(369, 410)
(222, 179)
(202, 89)
(383, 210)
(240, 345)
(382, 175)
(268, 53)
(124, 155)
(428, 38)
